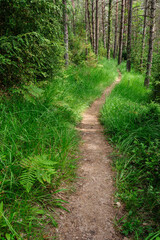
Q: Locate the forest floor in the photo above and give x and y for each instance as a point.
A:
(91, 207)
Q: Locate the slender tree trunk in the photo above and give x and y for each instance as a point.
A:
(116, 31)
(129, 36)
(86, 25)
(125, 24)
(103, 24)
(144, 33)
(73, 19)
(109, 29)
(66, 56)
(151, 40)
(89, 21)
(121, 33)
(93, 26)
(97, 28)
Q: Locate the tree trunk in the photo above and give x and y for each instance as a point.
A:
(125, 24)
(116, 31)
(66, 56)
(129, 36)
(109, 29)
(86, 26)
(93, 26)
(121, 33)
(97, 29)
(73, 19)
(151, 40)
(144, 33)
(103, 24)
(89, 22)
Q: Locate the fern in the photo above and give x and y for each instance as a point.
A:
(28, 178)
(36, 168)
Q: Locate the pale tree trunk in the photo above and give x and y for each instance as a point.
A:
(116, 31)
(86, 25)
(151, 40)
(109, 29)
(93, 26)
(103, 24)
(73, 19)
(125, 23)
(66, 56)
(89, 22)
(121, 33)
(97, 29)
(144, 33)
(129, 36)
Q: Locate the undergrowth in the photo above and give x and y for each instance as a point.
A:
(133, 124)
(38, 147)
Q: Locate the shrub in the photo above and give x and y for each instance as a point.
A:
(30, 43)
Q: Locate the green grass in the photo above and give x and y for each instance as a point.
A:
(133, 124)
(38, 146)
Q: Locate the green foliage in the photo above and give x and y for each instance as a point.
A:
(101, 50)
(30, 40)
(133, 123)
(156, 77)
(78, 48)
(36, 168)
(137, 33)
(39, 144)
(154, 236)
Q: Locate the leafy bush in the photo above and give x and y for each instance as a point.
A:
(78, 48)
(30, 43)
(102, 51)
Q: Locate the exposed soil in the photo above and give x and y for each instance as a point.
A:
(92, 208)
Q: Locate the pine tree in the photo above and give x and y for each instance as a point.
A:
(129, 36)
(116, 31)
(97, 28)
(144, 33)
(109, 29)
(121, 32)
(151, 40)
(66, 56)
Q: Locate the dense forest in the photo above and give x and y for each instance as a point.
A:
(56, 57)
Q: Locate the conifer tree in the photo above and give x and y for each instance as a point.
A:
(93, 25)
(116, 31)
(144, 33)
(97, 28)
(129, 36)
(66, 56)
(151, 40)
(89, 20)
(109, 29)
(121, 32)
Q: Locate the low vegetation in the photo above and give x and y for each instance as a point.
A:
(39, 144)
(133, 124)
(48, 76)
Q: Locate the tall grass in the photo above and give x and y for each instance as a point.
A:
(38, 147)
(133, 124)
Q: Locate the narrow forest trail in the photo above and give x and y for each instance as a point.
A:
(91, 207)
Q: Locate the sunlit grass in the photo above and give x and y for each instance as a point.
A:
(39, 144)
(133, 124)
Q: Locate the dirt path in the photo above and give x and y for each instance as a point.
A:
(92, 210)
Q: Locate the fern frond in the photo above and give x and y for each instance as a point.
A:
(28, 179)
(36, 168)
